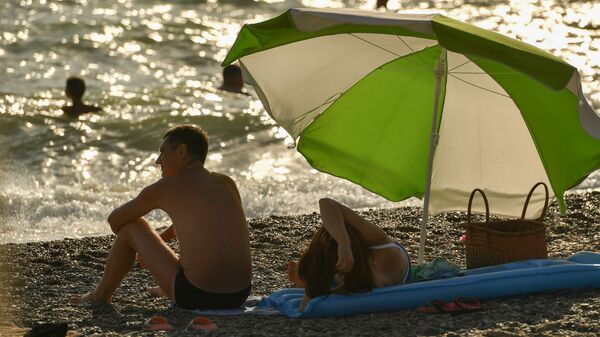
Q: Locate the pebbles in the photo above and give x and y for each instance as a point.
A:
(39, 279)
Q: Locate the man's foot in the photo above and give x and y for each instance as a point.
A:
(90, 298)
(292, 273)
(156, 292)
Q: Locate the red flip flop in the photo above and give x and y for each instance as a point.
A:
(428, 310)
(201, 323)
(460, 305)
(468, 303)
(446, 307)
(157, 323)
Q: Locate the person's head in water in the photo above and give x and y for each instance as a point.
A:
(317, 266)
(232, 78)
(75, 88)
(381, 3)
(182, 145)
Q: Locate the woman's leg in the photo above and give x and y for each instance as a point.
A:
(136, 237)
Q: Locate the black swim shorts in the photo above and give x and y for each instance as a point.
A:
(189, 297)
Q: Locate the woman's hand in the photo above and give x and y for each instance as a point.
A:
(345, 260)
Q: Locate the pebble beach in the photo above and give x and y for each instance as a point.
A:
(39, 279)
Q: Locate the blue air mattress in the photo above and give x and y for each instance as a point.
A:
(582, 270)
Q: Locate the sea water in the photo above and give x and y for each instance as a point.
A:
(152, 64)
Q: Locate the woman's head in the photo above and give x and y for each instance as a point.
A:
(317, 264)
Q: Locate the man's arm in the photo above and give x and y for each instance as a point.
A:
(147, 200)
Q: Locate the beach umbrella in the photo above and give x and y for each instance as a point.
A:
(422, 105)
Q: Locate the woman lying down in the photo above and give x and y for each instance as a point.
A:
(348, 254)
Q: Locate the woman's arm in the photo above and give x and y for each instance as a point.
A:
(335, 216)
(305, 300)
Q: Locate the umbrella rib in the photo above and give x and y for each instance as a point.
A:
(481, 73)
(458, 66)
(389, 51)
(374, 45)
(480, 87)
(301, 117)
(412, 50)
(475, 72)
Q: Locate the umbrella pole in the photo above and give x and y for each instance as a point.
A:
(440, 70)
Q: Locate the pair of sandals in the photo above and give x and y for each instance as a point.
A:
(160, 323)
(460, 305)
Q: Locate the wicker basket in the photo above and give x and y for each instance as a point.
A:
(496, 242)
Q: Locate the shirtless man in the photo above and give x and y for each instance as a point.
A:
(214, 267)
(74, 90)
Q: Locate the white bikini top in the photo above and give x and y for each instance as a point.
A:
(399, 246)
(388, 245)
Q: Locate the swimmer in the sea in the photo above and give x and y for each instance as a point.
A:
(232, 79)
(74, 90)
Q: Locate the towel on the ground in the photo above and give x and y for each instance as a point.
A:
(437, 268)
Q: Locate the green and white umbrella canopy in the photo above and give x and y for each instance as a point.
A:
(358, 89)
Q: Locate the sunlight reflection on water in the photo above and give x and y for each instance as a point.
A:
(151, 65)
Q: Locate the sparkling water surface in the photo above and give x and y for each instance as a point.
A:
(152, 64)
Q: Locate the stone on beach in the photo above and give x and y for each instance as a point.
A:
(38, 279)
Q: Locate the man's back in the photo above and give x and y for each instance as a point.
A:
(211, 228)
(213, 270)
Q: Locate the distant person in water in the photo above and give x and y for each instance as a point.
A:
(213, 270)
(381, 3)
(74, 90)
(348, 254)
(232, 79)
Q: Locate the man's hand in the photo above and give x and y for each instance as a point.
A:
(345, 260)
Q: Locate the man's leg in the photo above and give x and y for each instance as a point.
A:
(139, 237)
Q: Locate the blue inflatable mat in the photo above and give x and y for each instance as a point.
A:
(580, 270)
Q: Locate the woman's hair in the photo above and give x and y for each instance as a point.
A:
(317, 264)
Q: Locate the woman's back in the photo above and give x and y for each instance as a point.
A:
(390, 264)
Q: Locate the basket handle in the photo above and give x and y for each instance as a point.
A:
(485, 201)
(529, 197)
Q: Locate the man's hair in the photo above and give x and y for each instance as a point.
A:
(192, 136)
(317, 265)
(76, 86)
(230, 71)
